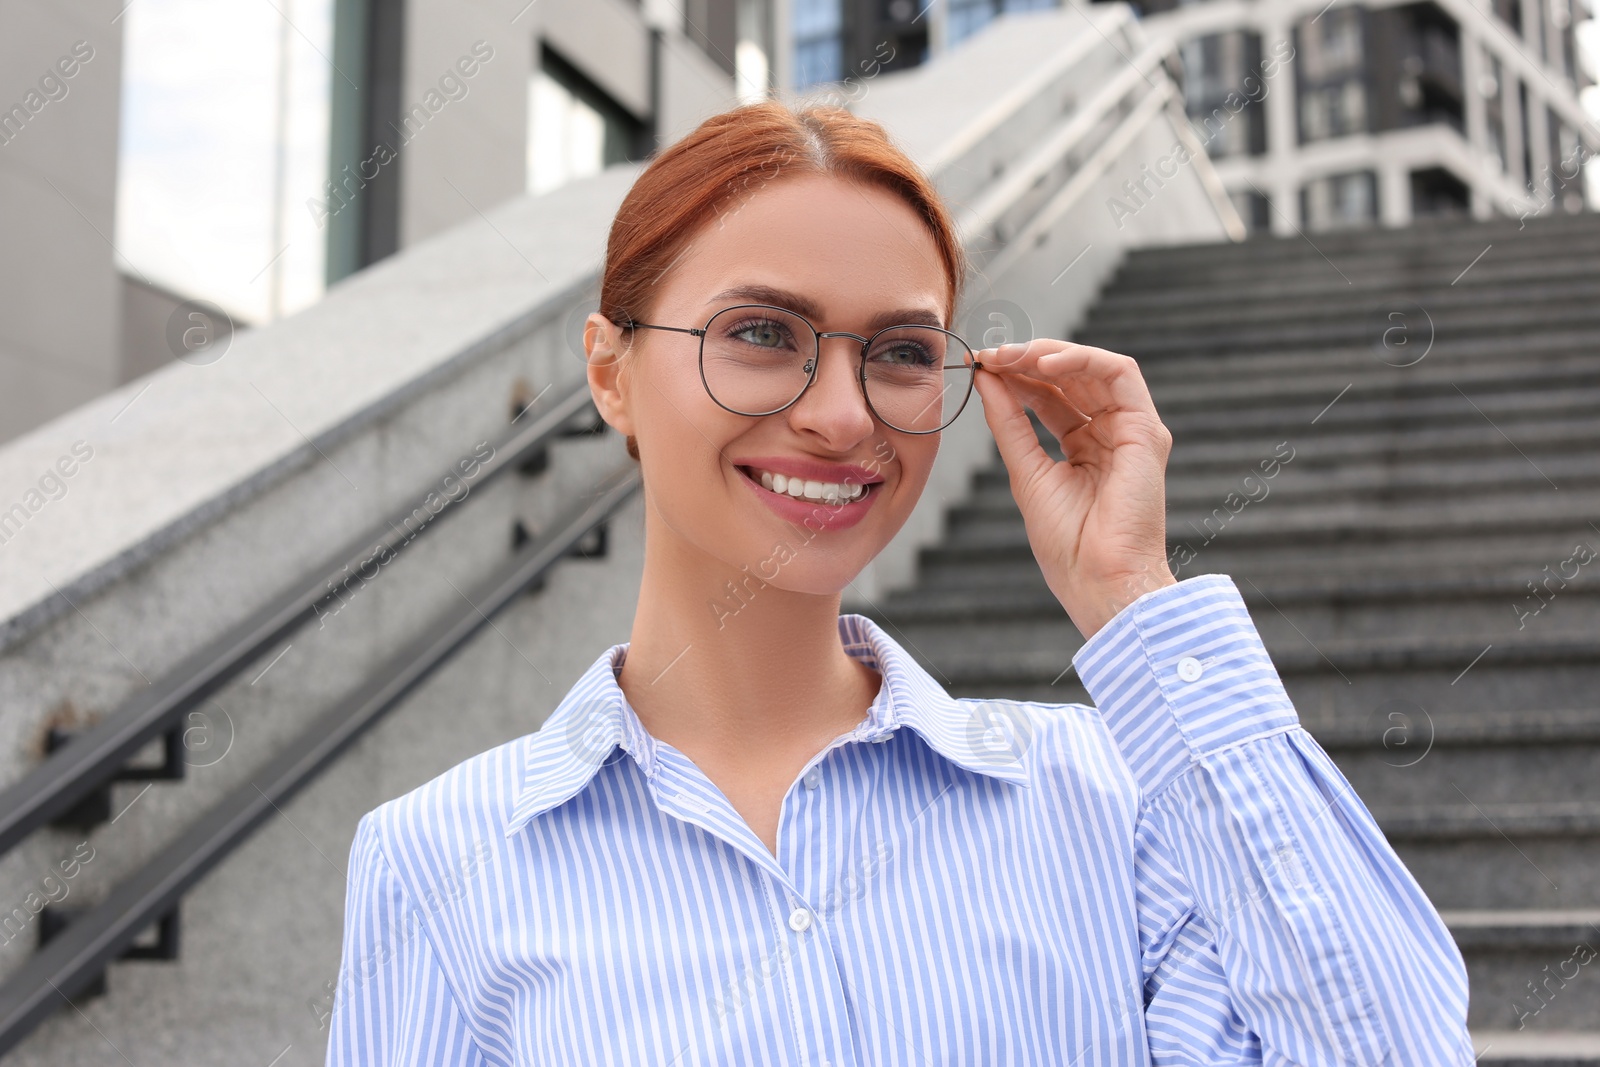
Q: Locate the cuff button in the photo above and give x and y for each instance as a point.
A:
(1189, 668)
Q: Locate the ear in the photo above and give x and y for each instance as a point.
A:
(608, 384)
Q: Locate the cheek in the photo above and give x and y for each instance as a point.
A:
(682, 433)
(912, 458)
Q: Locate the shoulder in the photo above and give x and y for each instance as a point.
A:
(442, 832)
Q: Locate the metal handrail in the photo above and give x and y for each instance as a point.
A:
(91, 759)
(1149, 107)
(1029, 84)
(79, 953)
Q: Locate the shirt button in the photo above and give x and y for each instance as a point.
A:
(813, 778)
(799, 919)
(1189, 668)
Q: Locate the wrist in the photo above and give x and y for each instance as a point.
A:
(1108, 600)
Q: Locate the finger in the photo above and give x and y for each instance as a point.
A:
(1025, 458)
(1058, 414)
(1095, 380)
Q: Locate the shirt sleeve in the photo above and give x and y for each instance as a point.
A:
(1276, 924)
(393, 1004)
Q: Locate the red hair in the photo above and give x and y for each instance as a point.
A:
(734, 153)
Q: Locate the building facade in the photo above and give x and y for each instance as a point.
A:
(1318, 114)
(382, 123)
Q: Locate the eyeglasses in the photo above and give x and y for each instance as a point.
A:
(758, 359)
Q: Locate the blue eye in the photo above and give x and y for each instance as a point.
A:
(905, 353)
(763, 333)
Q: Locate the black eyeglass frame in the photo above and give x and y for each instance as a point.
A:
(811, 366)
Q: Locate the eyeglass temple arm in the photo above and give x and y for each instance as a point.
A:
(648, 326)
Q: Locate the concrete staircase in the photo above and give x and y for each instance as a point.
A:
(1391, 441)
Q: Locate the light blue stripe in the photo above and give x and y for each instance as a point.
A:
(1177, 875)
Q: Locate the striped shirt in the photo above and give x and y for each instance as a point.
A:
(1178, 875)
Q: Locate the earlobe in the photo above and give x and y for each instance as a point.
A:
(607, 382)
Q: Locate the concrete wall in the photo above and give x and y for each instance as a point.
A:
(471, 155)
(146, 315)
(60, 295)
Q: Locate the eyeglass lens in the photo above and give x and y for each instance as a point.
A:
(754, 360)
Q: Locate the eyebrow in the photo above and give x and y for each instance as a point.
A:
(767, 294)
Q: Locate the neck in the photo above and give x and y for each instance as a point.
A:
(738, 678)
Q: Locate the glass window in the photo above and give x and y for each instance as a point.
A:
(1330, 72)
(818, 55)
(574, 128)
(1340, 201)
(1437, 193)
(1490, 88)
(965, 18)
(1222, 92)
(223, 190)
(752, 63)
(1253, 208)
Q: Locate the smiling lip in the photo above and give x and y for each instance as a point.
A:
(810, 470)
(824, 515)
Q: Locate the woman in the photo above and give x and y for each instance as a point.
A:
(723, 848)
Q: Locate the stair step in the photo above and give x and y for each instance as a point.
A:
(1307, 597)
(1566, 283)
(1506, 859)
(1156, 340)
(1375, 383)
(1488, 930)
(1408, 480)
(1339, 274)
(1528, 439)
(1506, 511)
(1545, 231)
(1361, 361)
(1470, 407)
(1511, 1048)
(1531, 971)
(1549, 532)
(952, 571)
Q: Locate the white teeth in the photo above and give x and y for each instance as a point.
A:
(811, 490)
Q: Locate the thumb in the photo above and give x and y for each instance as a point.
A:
(1013, 431)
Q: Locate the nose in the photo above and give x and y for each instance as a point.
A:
(833, 405)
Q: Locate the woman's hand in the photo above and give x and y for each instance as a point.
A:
(1097, 521)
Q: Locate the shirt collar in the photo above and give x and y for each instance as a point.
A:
(594, 719)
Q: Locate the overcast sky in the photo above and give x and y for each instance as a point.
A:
(194, 203)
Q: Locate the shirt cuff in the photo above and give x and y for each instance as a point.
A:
(1180, 673)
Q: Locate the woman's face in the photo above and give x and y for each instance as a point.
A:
(842, 254)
